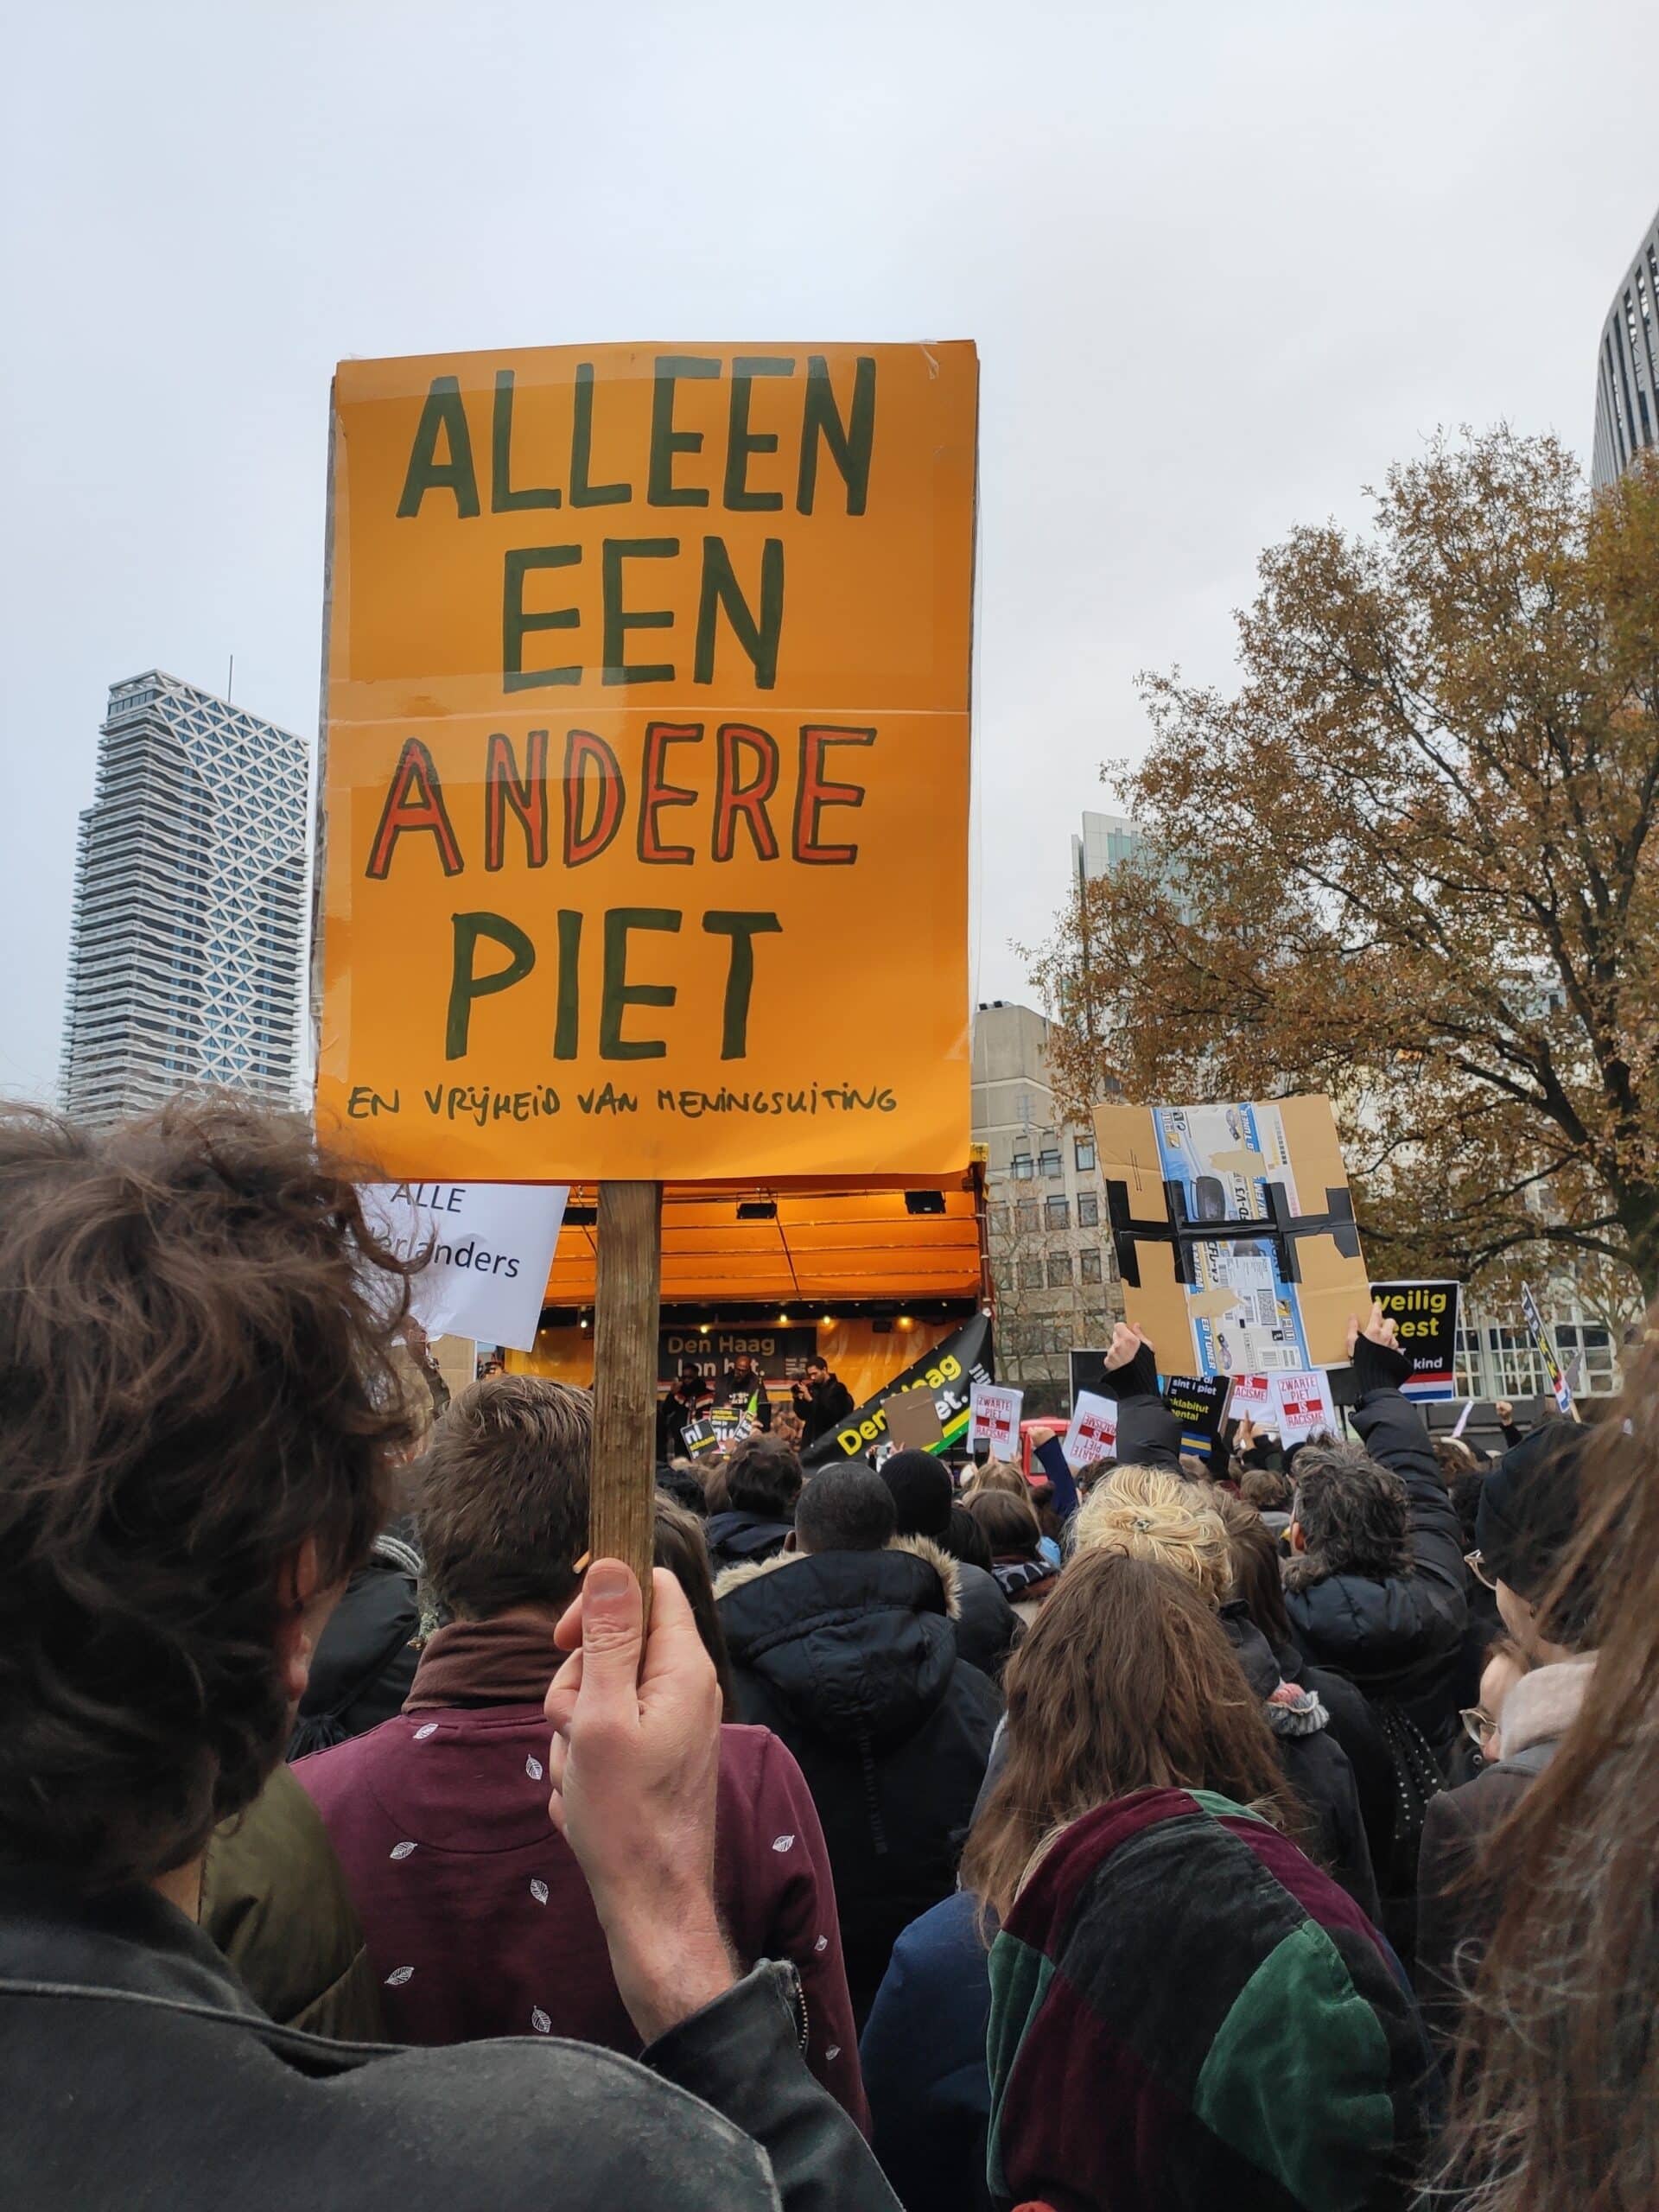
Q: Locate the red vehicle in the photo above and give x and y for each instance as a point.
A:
(1054, 1428)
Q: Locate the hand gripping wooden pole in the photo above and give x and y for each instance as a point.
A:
(622, 1501)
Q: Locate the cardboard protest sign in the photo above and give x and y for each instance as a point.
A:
(1234, 1231)
(1303, 1407)
(1426, 1316)
(1197, 1403)
(1560, 1388)
(1249, 1397)
(1093, 1431)
(492, 1247)
(913, 1422)
(648, 731)
(946, 1375)
(993, 1418)
(698, 1437)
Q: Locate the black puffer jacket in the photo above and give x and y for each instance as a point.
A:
(739, 1539)
(987, 1628)
(1397, 1637)
(851, 1658)
(1315, 1764)
(366, 1657)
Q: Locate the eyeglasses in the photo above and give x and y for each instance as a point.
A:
(1478, 1725)
(1477, 1566)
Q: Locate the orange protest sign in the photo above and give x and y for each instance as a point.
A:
(645, 788)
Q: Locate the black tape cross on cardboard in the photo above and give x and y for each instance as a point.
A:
(1282, 1229)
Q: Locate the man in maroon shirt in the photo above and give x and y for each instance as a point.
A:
(478, 1919)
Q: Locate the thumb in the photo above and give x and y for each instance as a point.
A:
(611, 1633)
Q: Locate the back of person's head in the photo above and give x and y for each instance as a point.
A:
(763, 1476)
(1352, 1513)
(679, 1480)
(503, 1500)
(1009, 1523)
(1465, 1493)
(921, 1493)
(1258, 1581)
(1147, 1513)
(198, 1407)
(682, 1547)
(1453, 1457)
(1268, 1488)
(1525, 1521)
(845, 1509)
(965, 1541)
(1125, 1680)
(996, 1474)
(711, 1473)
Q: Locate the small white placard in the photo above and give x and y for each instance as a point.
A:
(492, 1252)
(1303, 1406)
(1093, 1433)
(994, 1418)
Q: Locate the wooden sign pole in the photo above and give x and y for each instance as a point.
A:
(622, 1501)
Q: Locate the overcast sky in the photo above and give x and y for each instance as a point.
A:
(1224, 260)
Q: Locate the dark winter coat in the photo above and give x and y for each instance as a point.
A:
(742, 1539)
(1398, 1638)
(924, 2055)
(851, 1657)
(987, 1628)
(366, 1657)
(139, 2070)
(1354, 1725)
(1458, 1903)
(1315, 1764)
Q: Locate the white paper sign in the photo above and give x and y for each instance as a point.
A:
(492, 1251)
(1093, 1433)
(994, 1418)
(1252, 1399)
(1303, 1406)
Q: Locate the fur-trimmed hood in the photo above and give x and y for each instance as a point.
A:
(858, 1647)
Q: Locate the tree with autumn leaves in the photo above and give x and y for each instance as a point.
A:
(1412, 860)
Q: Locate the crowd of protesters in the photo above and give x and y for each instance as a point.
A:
(1279, 1832)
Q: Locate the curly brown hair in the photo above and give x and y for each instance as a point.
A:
(195, 1381)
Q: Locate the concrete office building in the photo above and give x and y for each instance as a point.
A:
(188, 959)
(1051, 1261)
(1107, 840)
(1627, 393)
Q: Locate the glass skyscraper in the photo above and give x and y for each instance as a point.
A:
(187, 963)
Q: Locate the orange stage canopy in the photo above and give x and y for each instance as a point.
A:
(833, 1241)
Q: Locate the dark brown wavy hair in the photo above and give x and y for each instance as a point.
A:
(1556, 2093)
(1125, 1681)
(195, 1378)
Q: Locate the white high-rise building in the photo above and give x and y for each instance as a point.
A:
(1627, 368)
(187, 957)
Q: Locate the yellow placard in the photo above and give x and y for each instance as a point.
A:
(646, 787)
